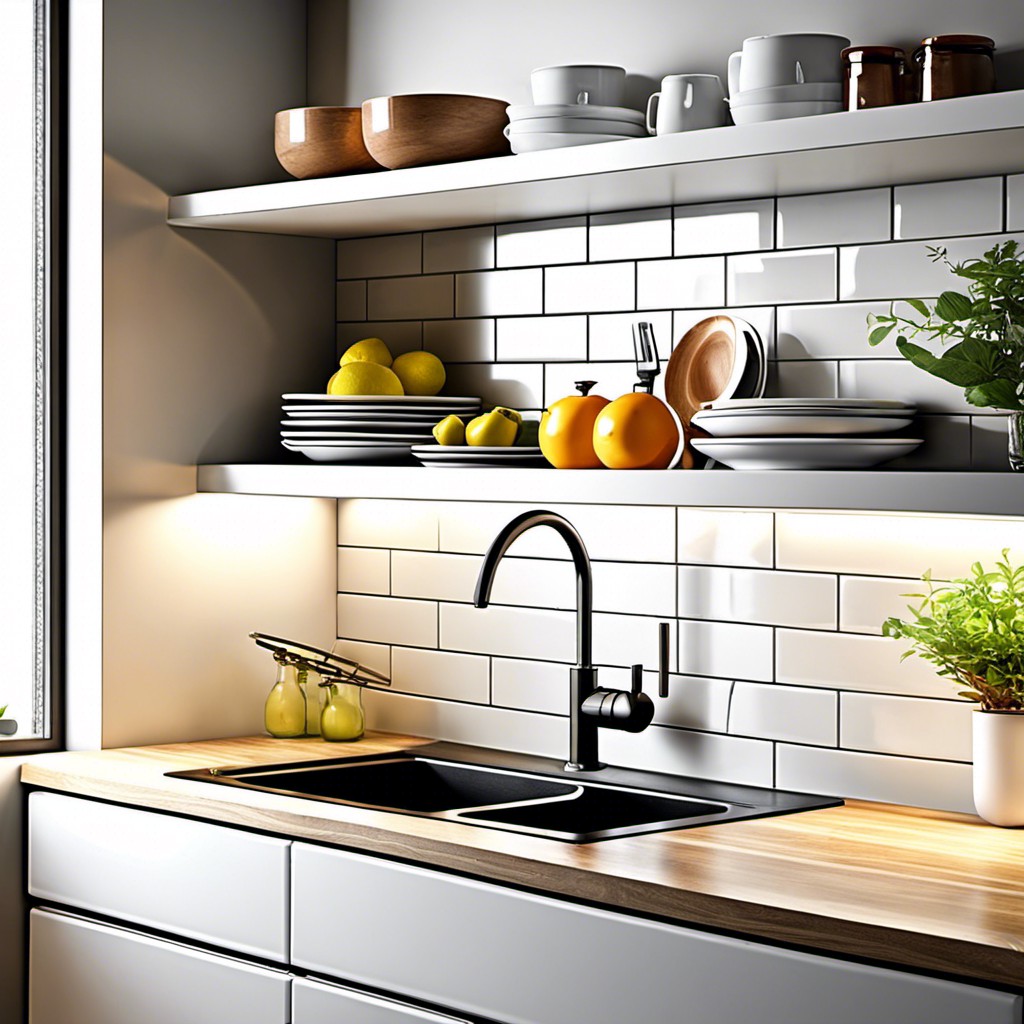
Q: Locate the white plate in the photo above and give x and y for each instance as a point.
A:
(831, 404)
(316, 436)
(362, 423)
(396, 402)
(804, 452)
(576, 125)
(754, 424)
(350, 453)
(803, 92)
(463, 456)
(585, 111)
(756, 113)
(366, 414)
(536, 141)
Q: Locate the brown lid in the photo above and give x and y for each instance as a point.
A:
(855, 54)
(960, 40)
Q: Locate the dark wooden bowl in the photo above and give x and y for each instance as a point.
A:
(410, 131)
(318, 142)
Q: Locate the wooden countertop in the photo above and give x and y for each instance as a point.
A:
(918, 888)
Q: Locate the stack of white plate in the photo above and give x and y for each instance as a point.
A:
(778, 102)
(364, 428)
(804, 433)
(555, 125)
(467, 457)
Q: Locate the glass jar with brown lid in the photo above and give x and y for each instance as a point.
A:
(873, 76)
(955, 65)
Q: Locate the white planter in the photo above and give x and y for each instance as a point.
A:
(999, 766)
(8, 726)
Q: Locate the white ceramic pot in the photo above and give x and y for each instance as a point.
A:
(600, 84)
(8, 726)
(999, 766)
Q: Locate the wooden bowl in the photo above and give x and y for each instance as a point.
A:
(410, 131)
(318, 142)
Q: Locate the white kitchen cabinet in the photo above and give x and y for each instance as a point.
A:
(206, 882)
(524, 959)
(316, 1002)
(83, 972)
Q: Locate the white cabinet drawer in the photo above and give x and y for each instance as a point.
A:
(314, 1002)
(492, 951)
(201, 881)
(87, 973)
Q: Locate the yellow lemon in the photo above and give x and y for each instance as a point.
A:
(450, 431)
(421, 373)
(364, 379)
(369, 350)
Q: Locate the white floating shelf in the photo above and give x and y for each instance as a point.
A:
(946, 493)
(960, 138)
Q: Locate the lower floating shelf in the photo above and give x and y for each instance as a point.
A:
(997, 494)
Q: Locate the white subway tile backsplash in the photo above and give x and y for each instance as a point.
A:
(350, 300)
(634, 235)
(598, 288)
(517, 387)
(375, 523)
(432, 576)
(724, 227)
(464, 677)
(959, 207)
(944, 785)
(410, 298)
(399, 336)
(937, 729)
(509, 632)
(835, 331)
(809, 378)
(542, 242)
(628, 640)
(541, 338)
(693, 702)
(499, 293)
(530, 685)
(460, 249)
(757, 595)
(834, 218)
(805, 276)
(373, 656)
(725, 649)
(364, 570)
(640, 588)
(387, 620)
(897, 379)
(1015, 202)
(865, 602)
(846, 661)
(790, 713)
(903, 270)
(386, 256)
(721, 537)
(460, 341)
(667, 284)
(611, 334)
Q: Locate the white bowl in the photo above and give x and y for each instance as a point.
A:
(531, 142)
(758, 112)
(808, 92)
(520, 111)
(603, 84)
(529, 125)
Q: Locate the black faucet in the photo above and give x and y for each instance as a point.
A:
(590, 706)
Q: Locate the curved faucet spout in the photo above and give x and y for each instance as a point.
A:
(584, 577)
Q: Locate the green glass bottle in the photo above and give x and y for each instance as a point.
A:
(342, 717)
(284, 714)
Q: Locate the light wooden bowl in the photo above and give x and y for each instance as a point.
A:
(319, 142)
(413, 130)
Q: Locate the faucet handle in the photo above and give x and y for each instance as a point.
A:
(637, 679)
(663, 628)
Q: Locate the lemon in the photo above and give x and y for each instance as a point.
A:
(450, 431)
(421, 373)
(369, 350)
(364, 379)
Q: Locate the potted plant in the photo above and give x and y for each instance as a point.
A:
(973, 630)
(981, 335)
(8, 726)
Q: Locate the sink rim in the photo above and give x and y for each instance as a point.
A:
(737, 802)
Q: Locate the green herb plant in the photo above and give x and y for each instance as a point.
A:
(984, 329)
(973, 630)
(3, 710)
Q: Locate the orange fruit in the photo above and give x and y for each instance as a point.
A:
(636, 431)
(566, 433)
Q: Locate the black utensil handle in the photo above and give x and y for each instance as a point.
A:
(663, 659)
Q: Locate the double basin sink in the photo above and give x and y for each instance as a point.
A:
(513, 792)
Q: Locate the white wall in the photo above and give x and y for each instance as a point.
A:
(486, 47)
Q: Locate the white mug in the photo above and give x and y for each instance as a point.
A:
(686, 103)
(792, 58)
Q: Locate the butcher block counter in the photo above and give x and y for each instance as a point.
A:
(921, 889)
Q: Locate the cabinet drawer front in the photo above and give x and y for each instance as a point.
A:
(202, 881)
(492, 951)
(316, 1003)
(89, 973)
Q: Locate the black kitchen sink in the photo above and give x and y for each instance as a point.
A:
(514, 792)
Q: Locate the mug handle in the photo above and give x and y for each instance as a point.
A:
(652, 112)
(733, 77)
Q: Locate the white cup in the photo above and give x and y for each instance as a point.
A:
(793, 58)
(603, 85)
(686, 103)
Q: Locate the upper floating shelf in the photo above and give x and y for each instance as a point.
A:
(986, 494)
(960, 138)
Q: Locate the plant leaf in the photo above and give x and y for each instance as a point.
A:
(880, 333)
(956, 370)
(953, 306)
(920, 306)
(994, 394)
